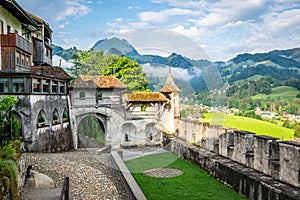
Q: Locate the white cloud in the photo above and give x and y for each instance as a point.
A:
(183, 3)
(164, 15)
(73, 9)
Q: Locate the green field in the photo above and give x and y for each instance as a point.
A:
(284, 92)
(194, 183)
(248, 124)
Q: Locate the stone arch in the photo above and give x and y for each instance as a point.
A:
(128, 131)
(55, 117)
(87, 137)
(151, 132)
(42, 118)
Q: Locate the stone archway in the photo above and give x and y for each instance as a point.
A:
(91, 130)
(128, 132)
(151, 132)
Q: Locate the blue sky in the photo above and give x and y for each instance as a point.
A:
(221, 28)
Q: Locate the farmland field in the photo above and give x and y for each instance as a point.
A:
(248, 124)
(284, 92)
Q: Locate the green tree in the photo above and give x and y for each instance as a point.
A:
(297, 131)
(129, 72)
(94, 62)
(7, 117)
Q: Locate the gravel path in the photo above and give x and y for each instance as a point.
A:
(91, 176)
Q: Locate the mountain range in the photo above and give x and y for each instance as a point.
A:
(202, 74)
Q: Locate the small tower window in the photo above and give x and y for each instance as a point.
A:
(82, 95)
(143, 108)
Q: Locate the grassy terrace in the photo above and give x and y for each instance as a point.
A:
(194, 183)
(249, 124)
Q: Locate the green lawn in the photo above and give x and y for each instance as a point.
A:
(284, 92)
(194, 183)
(248, 124)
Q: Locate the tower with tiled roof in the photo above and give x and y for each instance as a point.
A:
(172, 112)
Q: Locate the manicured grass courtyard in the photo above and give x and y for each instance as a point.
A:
(248, 124)
(194, 183)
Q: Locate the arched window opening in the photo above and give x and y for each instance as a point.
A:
(41, 120)
(55, 117)
(65, 115)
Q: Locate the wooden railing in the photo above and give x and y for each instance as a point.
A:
(15, 40)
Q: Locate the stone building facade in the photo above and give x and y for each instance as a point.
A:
(135, 119)
(27, 74)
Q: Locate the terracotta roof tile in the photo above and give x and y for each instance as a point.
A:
(56, 72)
(145, 96)
(98, 82)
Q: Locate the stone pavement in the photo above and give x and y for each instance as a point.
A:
(163, 172)
(91, 176)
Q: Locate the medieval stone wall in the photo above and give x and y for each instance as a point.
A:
(242, 179)
(270, 156)
(47, 136)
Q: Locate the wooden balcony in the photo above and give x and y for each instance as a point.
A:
(40, 51)
(15, 40)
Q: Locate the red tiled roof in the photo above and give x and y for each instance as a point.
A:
(145, 96)
(56, 72)
(98, 82)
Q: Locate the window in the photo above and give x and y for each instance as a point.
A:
(82, 95)
(8, 29)
(55, 117)
(18, 85)
(27, 61)
(46, 87)
(143, 108)
(100, 95)
(62, 88)
(36, 85)
(18, 55)
(41, 119)
(22, 59)
(54, 87)
(3, 84)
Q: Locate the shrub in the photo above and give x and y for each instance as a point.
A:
(55, 117)
(297, 132)
(41, 119)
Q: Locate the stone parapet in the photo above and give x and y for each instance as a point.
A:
(242, 179)
(269, 155)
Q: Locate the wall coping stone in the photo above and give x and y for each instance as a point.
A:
(136, 190)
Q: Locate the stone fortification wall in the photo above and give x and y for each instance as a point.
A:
(270, 156)
(240, 178)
